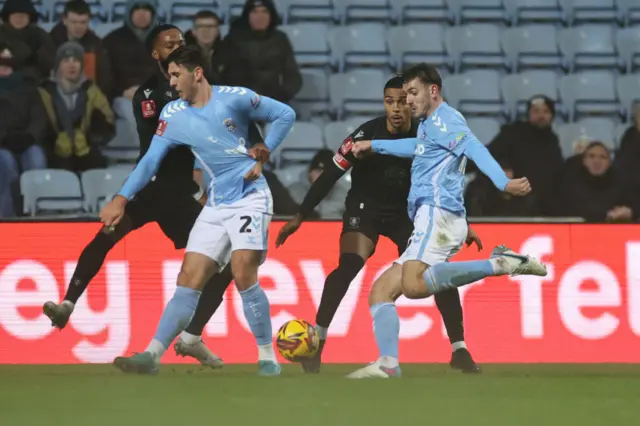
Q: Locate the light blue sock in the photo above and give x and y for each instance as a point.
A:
(256, 310)
(176, 315)
(448, 275)
(386, 328)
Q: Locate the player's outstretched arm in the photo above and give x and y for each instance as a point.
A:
(398, 148)
(146, 168)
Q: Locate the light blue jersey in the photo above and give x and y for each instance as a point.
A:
(218, 136)
(440, 155)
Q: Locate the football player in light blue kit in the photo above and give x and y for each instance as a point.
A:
(440, 152)
(233, 225)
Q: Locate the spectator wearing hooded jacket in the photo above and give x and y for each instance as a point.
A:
(32, 48)
(206, 35)
(75, 27)
(259, 56)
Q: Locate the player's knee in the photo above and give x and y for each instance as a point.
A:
(244, 264)
(349, 265)
(195, 271)
(413, 286)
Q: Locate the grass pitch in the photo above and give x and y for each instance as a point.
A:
(504, 395)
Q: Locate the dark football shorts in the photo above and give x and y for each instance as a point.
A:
(372, 222)
(173, 208)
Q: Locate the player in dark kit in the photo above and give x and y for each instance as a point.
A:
(173, 200)
(376, 205)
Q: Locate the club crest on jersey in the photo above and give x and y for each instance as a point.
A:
(229, 124)
(354, 221)
(346, 146)
(162, 126)
(148, 108)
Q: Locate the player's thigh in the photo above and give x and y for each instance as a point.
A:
(118, 232)
(357, 243)
(176, 217)
(388, 287)
(197, 269)
(399, 231)
(209, 238)
(360, 232)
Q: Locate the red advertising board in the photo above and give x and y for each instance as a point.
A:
(586, 310)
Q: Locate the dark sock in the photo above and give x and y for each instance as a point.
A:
(209, 301)
(89, 264)
(448, 303)
(336, 286)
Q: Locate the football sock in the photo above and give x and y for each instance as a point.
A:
(386, 328)
(256, 310)
(210, 300)
(458, 345)
(322, 332)
(174, 319)
(448, 303)
(448, 275)
(89, 264)
(336, 286)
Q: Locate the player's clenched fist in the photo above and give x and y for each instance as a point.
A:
(260, 152)
(518, 186)
(112, 213)
(360, 148)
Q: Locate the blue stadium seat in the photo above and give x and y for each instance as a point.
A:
(362, 44)
(50, 190)
(532, 46)
(417, 43)
(362, 10)
(590, 129)
(98, 184)
(539, 11)
(475, 92)
(187, 9)
(356, 92)
(517, 89)
(589, 93)
(406, 11)
(310, 44)
(580, 11)
(478, 10)
(291, 174)
(629, 11)
(184, 24)
(102, 30)
(58, 9)
(484, 128)
(475, 45)
(589, 46)
(628, 43)
(304, 140)
(125, 146)
(47, 26)
(628, 89)
(336, 132)
(313, 98)
(306, 10)
(233, 9)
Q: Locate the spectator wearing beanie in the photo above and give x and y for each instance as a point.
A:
(80, 118)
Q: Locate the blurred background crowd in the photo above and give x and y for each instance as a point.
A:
(549, 88)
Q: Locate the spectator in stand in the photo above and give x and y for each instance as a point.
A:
(482, 198)
(80, 119)
(206, 35)
(628, 156)
(531, 147)
(22, 130)
(332, 206)
(590, 188)
(75, 27)
(259, 56)
(130, 61)
(32, 47)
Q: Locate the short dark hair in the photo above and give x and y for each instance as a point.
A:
(425, 73)
(150, 41)
(189, 56)
(79, 7)
(394, 83)
(207, 14)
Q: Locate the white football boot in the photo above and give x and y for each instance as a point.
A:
(375, 371)
(199, 351)
(518, 264)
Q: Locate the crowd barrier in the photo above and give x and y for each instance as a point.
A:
(587, 310)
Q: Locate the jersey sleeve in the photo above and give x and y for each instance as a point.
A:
(451, 132)
(344, 158)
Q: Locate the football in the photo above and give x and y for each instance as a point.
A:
(297, 340)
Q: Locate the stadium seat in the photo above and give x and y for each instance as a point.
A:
(47, 26)
(304, 140)
(591, 129)
(58, 9)
(50, 190)
(416, 43)
(517, 89)
(184, 24)
(629, 11)
(354, 93)
(532, 46)
(475, 92)
(590, 93)
(125, 146)
(362, 10)
(233, 9)
(628, 89)
(359, 45)
(102, 30)
(313, 98)
(98, 184)
(526, 11)
(187, 9)
(475, 45)
(306, 10)
(310, 44)
(406, 11)
(485, 129)
(589, 46)
(337, 131)
(113, 9)
(477, 10)
(291, 174)
(580, 11)
(628, 43)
